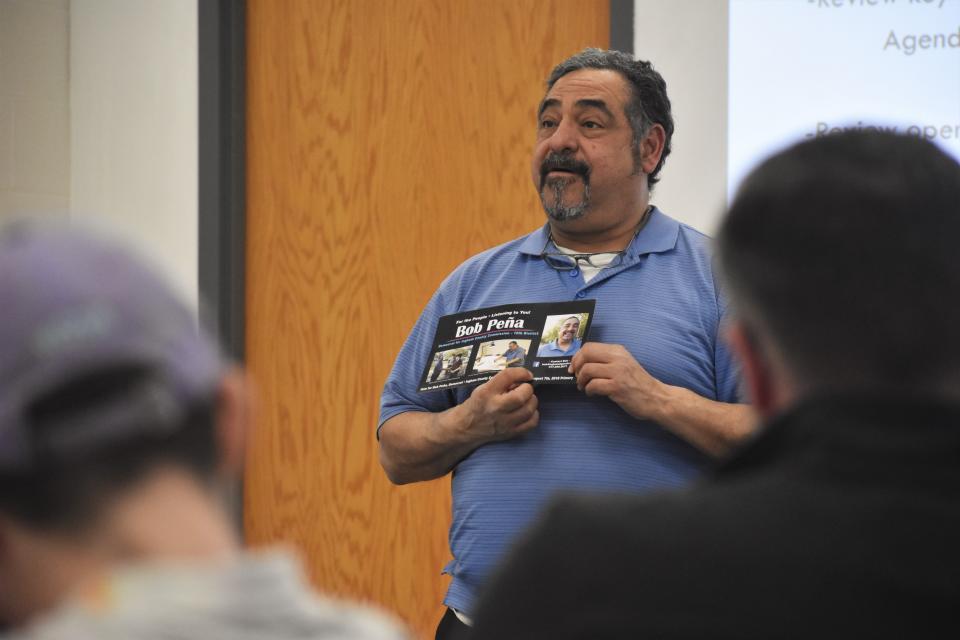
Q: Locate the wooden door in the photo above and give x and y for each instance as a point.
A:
(387, 141)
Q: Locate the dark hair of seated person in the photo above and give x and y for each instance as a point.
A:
(67, 492)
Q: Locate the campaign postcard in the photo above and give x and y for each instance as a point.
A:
(472, 346)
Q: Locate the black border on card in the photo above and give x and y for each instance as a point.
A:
(445, 339)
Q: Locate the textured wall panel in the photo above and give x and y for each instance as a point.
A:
(387, 142)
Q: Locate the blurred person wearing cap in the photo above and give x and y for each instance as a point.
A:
(120, 424)
(840, 519)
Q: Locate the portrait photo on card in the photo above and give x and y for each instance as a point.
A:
(562, 335)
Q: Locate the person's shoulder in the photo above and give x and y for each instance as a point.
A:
(597, 544)
(507, 250)
(681, 515)
(693, 254)
(692, 237)
(283, 574)
(493, 259)
(227, 599)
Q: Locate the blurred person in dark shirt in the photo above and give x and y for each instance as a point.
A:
(840, 519)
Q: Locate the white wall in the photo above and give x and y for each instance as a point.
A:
(686, 40)
(34, 108)
(133, 125)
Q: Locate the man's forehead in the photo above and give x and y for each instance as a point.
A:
(604, 85)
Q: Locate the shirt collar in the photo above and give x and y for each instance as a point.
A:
(658, 235)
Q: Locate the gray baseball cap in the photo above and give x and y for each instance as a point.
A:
(73, 305)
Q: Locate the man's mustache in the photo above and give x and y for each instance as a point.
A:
(563, 162)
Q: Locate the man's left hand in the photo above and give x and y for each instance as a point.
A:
(610, 370)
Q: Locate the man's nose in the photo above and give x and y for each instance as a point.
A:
(565, 137)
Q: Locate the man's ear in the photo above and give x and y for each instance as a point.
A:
(235, 408)
(651, 148)
(757, 373)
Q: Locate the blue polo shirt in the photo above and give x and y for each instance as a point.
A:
(552, 349)
(662, 303)
(513, 354)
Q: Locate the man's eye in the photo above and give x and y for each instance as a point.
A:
(547, 124)
(590, 124)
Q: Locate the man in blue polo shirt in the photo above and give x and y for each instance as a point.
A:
(656, 391)
(514, 355)
(567, 342)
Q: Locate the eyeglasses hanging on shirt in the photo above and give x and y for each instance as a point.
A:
(566, 260)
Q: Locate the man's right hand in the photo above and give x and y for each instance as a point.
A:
(501, 408)
(417, 445)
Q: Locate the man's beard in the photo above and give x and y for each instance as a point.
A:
(559, 211)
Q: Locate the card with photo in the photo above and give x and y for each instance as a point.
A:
(473, 346)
